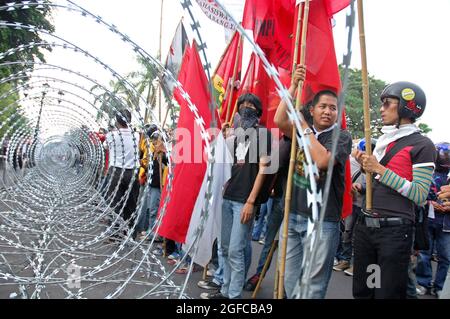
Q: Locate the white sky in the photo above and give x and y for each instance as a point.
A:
(406, 40)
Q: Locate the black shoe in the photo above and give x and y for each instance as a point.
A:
(250, 285)
(207, 284)
(212, 295)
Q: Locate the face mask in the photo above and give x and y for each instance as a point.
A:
(249, 118)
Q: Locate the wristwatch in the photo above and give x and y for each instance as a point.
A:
(307, 131)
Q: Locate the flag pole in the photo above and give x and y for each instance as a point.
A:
(165, 117)
(287, 203)
(233, 79)
(160, 57)
(234, 112)
(266, 266)
(365, 88)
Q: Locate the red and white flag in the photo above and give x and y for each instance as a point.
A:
(190, 164)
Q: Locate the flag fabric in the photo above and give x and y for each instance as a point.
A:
(274, 24)
(347, 205)
(223, 160)
(190, 164)
(174, 58)
(223, 89)
(257, 81)
(216, 14)
(271, 22)
(321, 65)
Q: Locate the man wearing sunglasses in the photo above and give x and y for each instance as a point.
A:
(383, 237)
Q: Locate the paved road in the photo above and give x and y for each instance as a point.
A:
(340, 286)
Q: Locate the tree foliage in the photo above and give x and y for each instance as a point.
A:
(354, 103)
(11, 37)
(424, 128)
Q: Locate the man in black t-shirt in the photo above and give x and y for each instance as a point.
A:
(324, 113)
(383, 237)
(250, 146)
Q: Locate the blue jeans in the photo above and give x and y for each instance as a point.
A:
(150, 204)
(218, 273)
(260, 226)
(274, 220)
(235, 242)
(323, 264)
(424, 271)
(345, 249)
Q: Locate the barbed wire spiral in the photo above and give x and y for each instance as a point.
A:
(55, 217)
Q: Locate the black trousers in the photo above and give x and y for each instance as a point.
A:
(122, 185)
(385, 250)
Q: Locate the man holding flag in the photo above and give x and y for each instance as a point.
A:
(323, 110)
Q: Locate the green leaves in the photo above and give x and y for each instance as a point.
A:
(354, 103)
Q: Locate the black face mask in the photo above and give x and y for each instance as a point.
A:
(249, 118)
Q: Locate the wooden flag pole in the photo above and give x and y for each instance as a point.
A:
(169, 106)
(233, 113)
(266, 266)
(365, 88)
(231, 83)
(287, 203)
(160, 57)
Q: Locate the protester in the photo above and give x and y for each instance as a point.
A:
(444, 196)
(124, 163)
(275, 217)
(384, 235)
(438, 228)
(250, 146)
(324, 114)
(152, 149)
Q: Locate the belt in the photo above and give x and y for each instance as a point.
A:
(377, 222)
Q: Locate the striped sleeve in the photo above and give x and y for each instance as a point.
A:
(417, 189)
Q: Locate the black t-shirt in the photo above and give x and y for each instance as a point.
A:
(279, 187)
(156, 179)
(387, 201)
(301, 183)
(248, 148)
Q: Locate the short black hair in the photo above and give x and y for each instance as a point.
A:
(320, 93)
(121, 115)
(251, 98)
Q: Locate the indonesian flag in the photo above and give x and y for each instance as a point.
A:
(174, 58)
(223, 160)
(223, 88)
(189, 150)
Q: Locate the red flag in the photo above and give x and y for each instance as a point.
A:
(321, 64)
(189, 170)
(223, 76)
(257, 81)
(273, 23)
(347, 205)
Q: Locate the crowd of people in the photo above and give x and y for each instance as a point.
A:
(405, 225)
